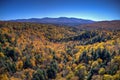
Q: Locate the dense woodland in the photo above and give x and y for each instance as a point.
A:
(31, 51)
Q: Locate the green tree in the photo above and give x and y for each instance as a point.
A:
(84, 57)
(27, 63)
(39, 75)
(52, 70)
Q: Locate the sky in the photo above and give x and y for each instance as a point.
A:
(97, 10)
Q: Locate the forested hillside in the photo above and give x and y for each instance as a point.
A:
(31, 51)
(107, 25)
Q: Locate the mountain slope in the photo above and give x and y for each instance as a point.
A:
(111, 25)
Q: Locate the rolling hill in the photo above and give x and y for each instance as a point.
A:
(111, 25)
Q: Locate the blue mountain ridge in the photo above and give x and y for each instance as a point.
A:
(60, 21)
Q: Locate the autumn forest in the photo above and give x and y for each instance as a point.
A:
(33, 51)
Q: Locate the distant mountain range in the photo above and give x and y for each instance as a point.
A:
(74, 22)
(59, 21)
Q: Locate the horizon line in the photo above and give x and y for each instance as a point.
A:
(56, 17)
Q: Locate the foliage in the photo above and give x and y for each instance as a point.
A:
(31, 51)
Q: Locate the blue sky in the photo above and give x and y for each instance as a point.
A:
(97, 10)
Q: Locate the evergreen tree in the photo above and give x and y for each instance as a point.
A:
(39, 75)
